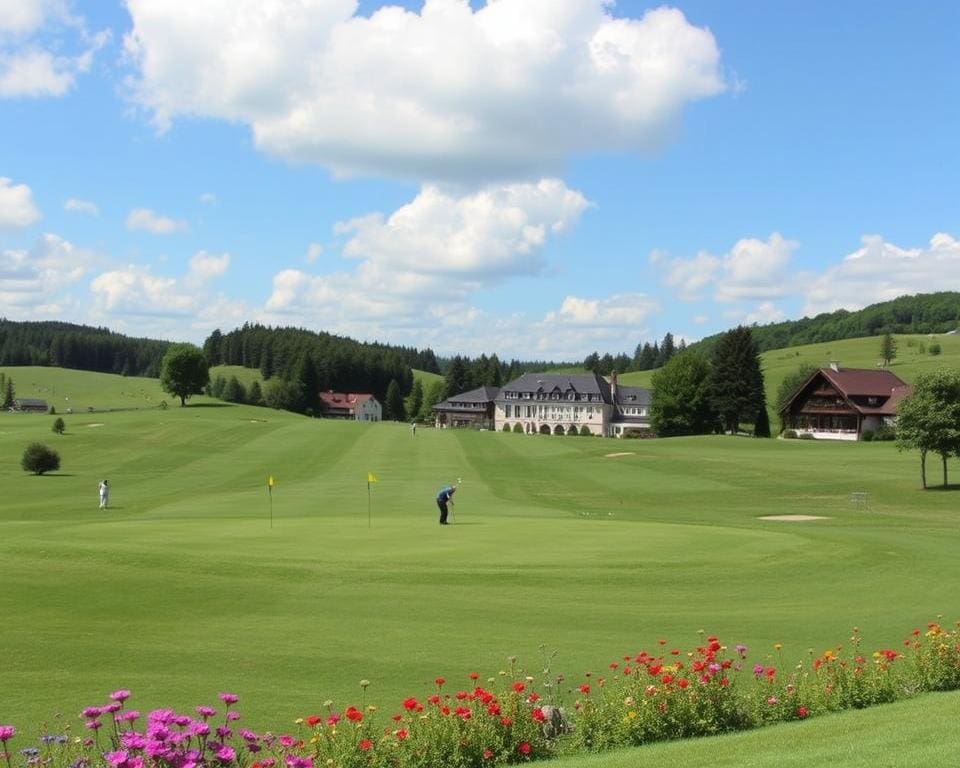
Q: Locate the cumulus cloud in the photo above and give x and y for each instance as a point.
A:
(135, 299)
(16, 205)
(208, 198)
(76, 205)
(33, 282)
(880, 271)
(752, 270)
(766, 312)
(43, 48)
(145, 220)
(508, 91)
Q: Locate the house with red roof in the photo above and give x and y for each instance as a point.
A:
(842, 403)
(350, 405)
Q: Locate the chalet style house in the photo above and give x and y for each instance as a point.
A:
(842, 403)
(29, 405)
(468, 409)
(550, 403)
(351, 406)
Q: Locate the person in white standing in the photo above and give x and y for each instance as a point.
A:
(104, 494)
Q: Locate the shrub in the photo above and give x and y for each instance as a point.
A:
(37, 458)
(789, 434)
(585, 431)
(518, 428)
(885, 432)
(506, 428)
(59, 426)
(934, 348)
(53, 410)
(806, 436)
(867, 436)
(572, 430)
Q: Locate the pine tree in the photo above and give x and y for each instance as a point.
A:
(255, 394)
(458, 377)
(416, 398)
(736, 381)
(888, 348)
(667, 350)
(393, 405)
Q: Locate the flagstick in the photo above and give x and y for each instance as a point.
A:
(270, 493)
(368, 503)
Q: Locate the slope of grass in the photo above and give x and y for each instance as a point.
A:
(184, 589)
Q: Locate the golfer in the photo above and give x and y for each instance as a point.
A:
(443, 498)
(104, 493)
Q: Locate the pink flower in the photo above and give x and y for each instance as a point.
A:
(121, 695)
(93, 724)
(116, 758)
(206, 712)
(229, 698)
(226, 755)
(6, 732)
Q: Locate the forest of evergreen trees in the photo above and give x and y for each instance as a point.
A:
(79, 346)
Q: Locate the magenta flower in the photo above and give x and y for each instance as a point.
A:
(116, 758)
(200, 729)
(226, 755)
(91, 712)
(133, 740)
(93, 724)
(293, 761)
(6, 732)
(233, 715)
(741, 651)
(229, 698)
(127, 717)
(206, 712)
(121, 695)
(113, 706)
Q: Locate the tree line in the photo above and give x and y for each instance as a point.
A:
(921, 313)
(80, 347)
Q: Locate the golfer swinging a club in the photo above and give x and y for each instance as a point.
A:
(443, 498)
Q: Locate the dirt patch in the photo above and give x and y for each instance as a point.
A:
(793, 518)
(96, 424)
(620, 453)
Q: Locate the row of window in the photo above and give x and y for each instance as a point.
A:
(554, 412)
(572, 396)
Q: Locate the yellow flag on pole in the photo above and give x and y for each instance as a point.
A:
(270, 482)
(371, 478)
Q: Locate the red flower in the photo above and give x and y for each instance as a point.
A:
(802, 712)
(666, 679)
(519, 687)
(434, 699)
(538, 715)
(683, 682)
(474, 676)
(523, 748)
(354, 715)
(585, 689)
(410, 704)
(439, 682)
(493, 709)
(506, 722)
(396, 718)
(402, 734)
(533, 697)
(365, 744)
(314, 720)
(487, 754)
(444, 710)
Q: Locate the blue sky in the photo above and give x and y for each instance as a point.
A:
(535, 178)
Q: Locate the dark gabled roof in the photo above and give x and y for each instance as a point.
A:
(30, 402)
(584, 383)
(632, 395)
(478, 395)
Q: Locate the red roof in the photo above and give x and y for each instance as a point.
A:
(863, 381)
(346, 400)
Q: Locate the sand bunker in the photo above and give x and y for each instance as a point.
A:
(621, 453)
(793, 518)
(97, 424)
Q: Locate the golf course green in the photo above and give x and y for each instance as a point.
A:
(565, 551)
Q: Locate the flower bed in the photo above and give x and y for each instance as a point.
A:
(508, 719)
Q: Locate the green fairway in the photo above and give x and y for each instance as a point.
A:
(182, 589)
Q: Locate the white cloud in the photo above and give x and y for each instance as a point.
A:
(136, 300)
(208, 198)
(43, 48)
(314, 252)
(76, 205)
(16, 205)
(497, 232)
(508, 91)
(752, 270)
(766, 312)
(33, 282)
(880, 271)
(145, 220)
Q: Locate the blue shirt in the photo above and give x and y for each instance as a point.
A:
(445, 494)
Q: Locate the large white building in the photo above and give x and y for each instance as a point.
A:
(550, 403)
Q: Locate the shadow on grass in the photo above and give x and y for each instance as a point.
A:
(55, 474)
(948, 487)
(207, 405)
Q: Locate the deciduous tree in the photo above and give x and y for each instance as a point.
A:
(680, 403)
(929, 419)
(184, 371)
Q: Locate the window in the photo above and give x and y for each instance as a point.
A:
(507, 410)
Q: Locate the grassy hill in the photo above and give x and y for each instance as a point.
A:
(183, 588)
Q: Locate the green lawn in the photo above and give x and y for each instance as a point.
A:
(183, 589)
